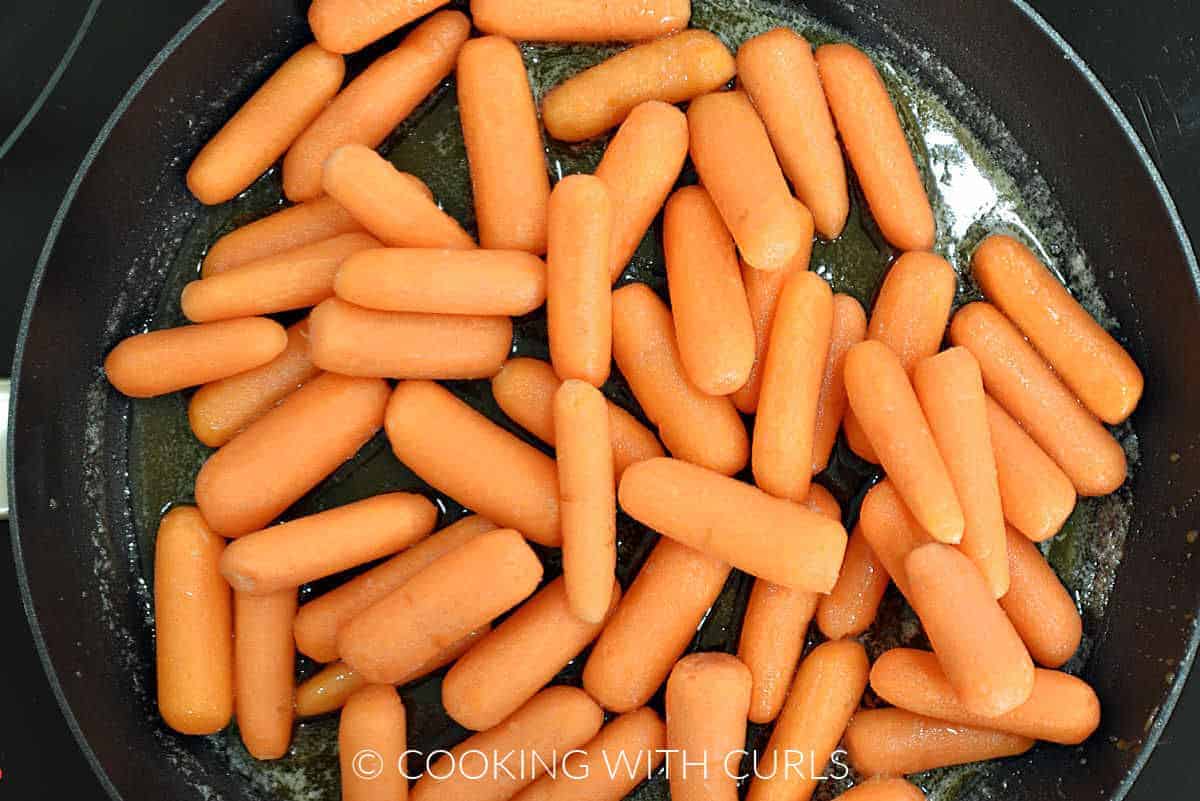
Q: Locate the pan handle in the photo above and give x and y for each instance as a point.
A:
(5, 388)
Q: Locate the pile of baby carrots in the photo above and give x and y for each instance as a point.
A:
(985, 445)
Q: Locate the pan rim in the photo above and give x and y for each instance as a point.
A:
(1170, 699)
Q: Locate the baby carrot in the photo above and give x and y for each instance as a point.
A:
(673, 69)
(891, 531)
(524, 390)
(1035, 494)
(450, 597)
(171, 359)
(856, 437)
(1039, 606)
(1028, 389)
(578, 289)
(849, 328)
(292, 227)
(343, 26)
(765, 536)
(708, 301)
(850, 608)
(762, 296)
(978, 648)
(782, 451)
(375, 102)
(1084, 355)
(309, 548)
(875, 142)
(262, 471)
(372, 739)
(827, 689)
(653, 625)
(481, 282)
(519, 657)
(295, 279)
(913, 306)
(1061, 708)
(733, 156)
(550, 725)
(886, 405)
(626, 752)
(319, 621)
(509, 179)
(263, 129)
(587, 497)
(895, 742)
(778, 71)
(774, 628)
(193, 625)
(884, 789)
(640, 165)
(264, 663)
(351, 340)
(581, 20)
(506, 480)
(950, 388)
(389, 203)
(220, 410)
(694, 426)
(708, 695)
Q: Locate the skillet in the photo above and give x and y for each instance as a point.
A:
(112, 258)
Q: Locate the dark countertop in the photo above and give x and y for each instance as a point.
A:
(65, 64)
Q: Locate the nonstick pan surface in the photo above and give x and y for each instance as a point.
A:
(84, 463)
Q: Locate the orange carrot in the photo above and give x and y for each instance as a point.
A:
(343, 26)
(587, 497)
(578, 294)
(640, 165)
(891, 531)
(850, 608)
(262, 471)
(509, 179)
(263, 129)
(895, 742)
(524, 390)
(388, 203)
(978, 648)
(264, 663)
(856, 437)
(733, 156)
(1028, 389)
(506, 480)
(372, 740)
(784, 430)
(708, 301)
(319, 621)
(378, 100)
(950, 389)
(450, 597)
(1039, 606)
(351, 340)
(762, 295)
(886, 405)
(519, 657)
(884, 789)
(877, 146)
(281, 231)
(193, 625)
(295, 279)
(913, 307)
(309, 548)
(673, 69)
(653, 625)
(171, 359)
(708, 696)
(581, 20)
(824, 695)
(1083, 354)
(1061, 709)
(767, 537)
(849, 328)
(1036, 495)
(778, 71)
(700, 428)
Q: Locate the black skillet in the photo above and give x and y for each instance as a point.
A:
(102, 272)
